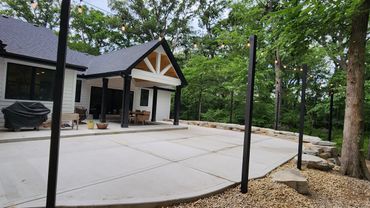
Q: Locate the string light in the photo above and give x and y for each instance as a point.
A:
(222, 45)
(276, 61)
(80, 10)
(301, 69)
(249, 45)
(284, 66)
(33, 4)
(123, 28)
(159, 38)
(195, 45)
(295, 69)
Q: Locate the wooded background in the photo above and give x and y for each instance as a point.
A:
(209, 38)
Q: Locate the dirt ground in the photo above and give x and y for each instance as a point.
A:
(327, 189)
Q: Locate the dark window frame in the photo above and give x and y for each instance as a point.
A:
(144, 97)
(78, 90)
(35, 91)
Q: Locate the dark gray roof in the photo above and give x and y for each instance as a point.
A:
(24, 39)
(120, 60)
(27, 41)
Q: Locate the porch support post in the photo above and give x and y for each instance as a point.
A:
(177, 105)
(154, 105)
(126, 101)
(104, 101)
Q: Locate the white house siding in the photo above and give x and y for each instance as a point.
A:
(163, 99)
(69, 87)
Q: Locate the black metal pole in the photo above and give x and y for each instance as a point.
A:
(57, 105)
(302, 113)
(248, 113)
(126, 101)
(103, 111)
(154, 105)
(331, 115)
(177, 106)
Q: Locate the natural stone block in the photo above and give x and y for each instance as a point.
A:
(323, 143)
(292, 178)
(314, 162)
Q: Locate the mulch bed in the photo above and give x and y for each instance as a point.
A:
(327, 189)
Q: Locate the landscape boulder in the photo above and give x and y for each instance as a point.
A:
(314, 162)
(323, 143)
(292, 178)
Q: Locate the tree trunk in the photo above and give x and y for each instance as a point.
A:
(368, 151)
(278, 90)
(200, 105)
(352, 159)
(231, 107)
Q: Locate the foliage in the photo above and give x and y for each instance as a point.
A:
(210, 39)
(45, 14)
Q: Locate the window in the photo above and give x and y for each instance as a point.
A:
(144, 97)
(78, 91)
(29, 83)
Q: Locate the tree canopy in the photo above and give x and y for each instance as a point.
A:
(210, 37)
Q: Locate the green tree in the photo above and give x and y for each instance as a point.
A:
(94, 32)
(46, 13)
(152, 19)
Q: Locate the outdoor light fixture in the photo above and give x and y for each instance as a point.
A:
(123, 28)
(80, 10)
(33, 4)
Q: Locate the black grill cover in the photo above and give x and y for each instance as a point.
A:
(25, 114)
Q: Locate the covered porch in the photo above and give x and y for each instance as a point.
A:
(138, 93)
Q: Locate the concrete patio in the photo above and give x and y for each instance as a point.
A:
(146, 168)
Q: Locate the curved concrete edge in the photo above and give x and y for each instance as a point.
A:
(149, 203)
(126, 131)
(161, 202)
(169, 200)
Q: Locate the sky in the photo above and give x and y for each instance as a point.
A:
(99, 3)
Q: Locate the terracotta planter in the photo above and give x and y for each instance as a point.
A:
(102, 125)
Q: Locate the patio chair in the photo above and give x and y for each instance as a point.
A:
(142, 118)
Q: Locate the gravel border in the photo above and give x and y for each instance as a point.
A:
(327, 189)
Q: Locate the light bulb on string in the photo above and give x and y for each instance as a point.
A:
(222, 45)
(80, 9)
(123, 28)
(33, 4)
(195, 45)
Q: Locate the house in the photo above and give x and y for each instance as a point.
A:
(141, 77)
